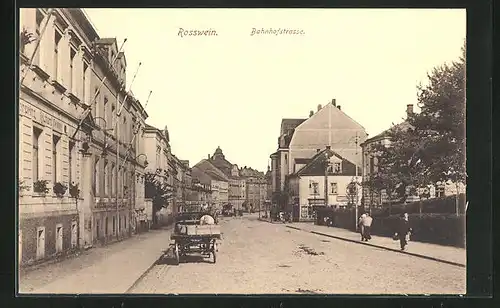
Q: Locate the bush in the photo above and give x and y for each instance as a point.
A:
(436, 228)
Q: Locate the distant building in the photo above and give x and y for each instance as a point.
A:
(237, 185)
(306, 186)
(208, 174)
(301, 139)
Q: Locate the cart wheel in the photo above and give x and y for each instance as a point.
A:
(176, 254)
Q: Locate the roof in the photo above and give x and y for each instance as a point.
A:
(211, 170)
(316, 164)
(289, 124)
(385, 134)
(302, 160)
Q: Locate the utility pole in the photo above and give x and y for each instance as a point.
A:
(356, 187)
(327, 163)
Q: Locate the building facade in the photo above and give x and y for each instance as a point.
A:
(327, 169)
(63, 187)
(301, 139)
(206, 173)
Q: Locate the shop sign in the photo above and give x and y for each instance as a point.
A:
(40, 116)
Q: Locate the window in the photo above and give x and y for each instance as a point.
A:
(333, 188)
(113, 181)
(371, 165)
(337, 168)
(39, 21)
(314, 188)
(95, 179)
(72, 54)
(112, 124)
(70, 161)
(106, 115)
(114, 225)
(36, 140)
(84, 92)
(55, 143)
(57, 41)
(106, 179)
(106, 226)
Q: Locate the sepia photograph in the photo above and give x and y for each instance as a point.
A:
(296, 151)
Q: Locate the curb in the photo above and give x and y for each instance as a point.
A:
(138, 280)
(382, 247)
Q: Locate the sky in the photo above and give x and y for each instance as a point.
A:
(232, 89)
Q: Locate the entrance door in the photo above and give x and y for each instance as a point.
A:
(74, 234)
(59, 238)
(40, 243)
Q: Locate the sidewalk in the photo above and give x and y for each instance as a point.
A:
(446, 254)
(109, 269)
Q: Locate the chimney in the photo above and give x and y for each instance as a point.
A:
(311, 113)
(338, 107)
(334, 103)
(328, 147)
(319, 107)
(317, 150)
(409, 109)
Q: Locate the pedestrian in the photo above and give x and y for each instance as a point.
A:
(361, 227)
(403, 230)
(367, 225)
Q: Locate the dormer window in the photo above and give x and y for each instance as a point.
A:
(337, 168)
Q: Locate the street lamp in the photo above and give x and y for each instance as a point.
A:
(145, 159)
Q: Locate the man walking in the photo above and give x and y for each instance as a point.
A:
(367, 224)
(403, 230)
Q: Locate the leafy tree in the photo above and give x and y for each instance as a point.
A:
(156, 190)
(441, 121)
(430, 146)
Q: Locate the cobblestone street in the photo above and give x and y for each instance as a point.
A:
(259, 257)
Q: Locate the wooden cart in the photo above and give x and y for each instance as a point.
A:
(191, 237)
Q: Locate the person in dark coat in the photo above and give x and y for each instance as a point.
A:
(403, 230)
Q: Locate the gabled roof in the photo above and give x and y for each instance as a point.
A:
(210, 169)
(316, 164)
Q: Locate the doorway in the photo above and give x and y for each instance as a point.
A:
(40, 243)
(74, 234)
(59, 238)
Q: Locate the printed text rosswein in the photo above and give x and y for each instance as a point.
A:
(279, 31)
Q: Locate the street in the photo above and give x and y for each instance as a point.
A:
(260, 257)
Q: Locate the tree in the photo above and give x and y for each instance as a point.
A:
(430, 146)
(156, 190)
(442, 123)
